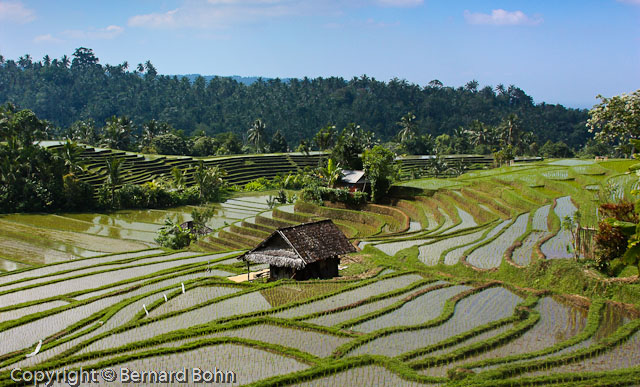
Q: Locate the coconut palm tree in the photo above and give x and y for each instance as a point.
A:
(114, 175)
(511, 129)
(408, 127)
(117, 133)
(71, 154)
(256, 135)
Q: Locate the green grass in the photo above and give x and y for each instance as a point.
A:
(265, 310)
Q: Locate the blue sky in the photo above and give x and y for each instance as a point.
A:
(557, 51)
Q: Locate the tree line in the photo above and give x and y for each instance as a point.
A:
(127, 107)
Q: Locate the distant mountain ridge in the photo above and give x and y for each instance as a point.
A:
(240, 79)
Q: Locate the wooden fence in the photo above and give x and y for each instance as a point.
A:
(585, 242)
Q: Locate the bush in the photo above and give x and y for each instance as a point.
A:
(173, 236)
(259, 184)
(318, 194)
(169, 144)
(78, 194)
(611, 242)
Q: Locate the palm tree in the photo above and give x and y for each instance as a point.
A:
(114, 175)
(85, 132)
(149, 131)
(256, 134)
(117, 133)
(71, 154)
(65, 61)
(511, 129)
(408, 126)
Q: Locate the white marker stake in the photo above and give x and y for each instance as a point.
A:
(165, 297)
(36, 350)
(183, 288)
(145, 309)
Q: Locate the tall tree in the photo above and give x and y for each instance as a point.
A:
(278, 143)
(616, 120)
(117, 134)
(326, 137)
(379, 167)
(407, 127)
(114, 175)
(256, 135)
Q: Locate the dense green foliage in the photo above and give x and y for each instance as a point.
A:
(35, 178)
(380, 169)
(66, 91)
(616, 121)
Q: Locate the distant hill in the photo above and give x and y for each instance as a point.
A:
(64, 92)
(244, 80)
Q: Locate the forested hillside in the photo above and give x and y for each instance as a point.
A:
(79, 87)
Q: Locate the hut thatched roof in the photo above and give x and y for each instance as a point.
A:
(300, 245)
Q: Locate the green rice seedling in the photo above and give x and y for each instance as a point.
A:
(453, 256)
(539, 221)
(19, 312)
(316, 343)
(42, 271)
(571, 162)
(523, 254)
(249, 364)
(122, 316)
(293, 292)
(25, 335)
(419, 310)
(560, 245)
(391, 248)
(241, 304)
(350, 296)
(192, 297)
(489, 305)
(558, 322)
(372, 375)
(92, 269)
(623, 355)
(431, 253)
(353, 313)
(93, 281)
(467, 221)
(490, 255)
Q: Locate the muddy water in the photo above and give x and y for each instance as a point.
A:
(7, 265)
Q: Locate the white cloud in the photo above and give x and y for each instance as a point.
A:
(500, 17)
(224, 13)
(400, 3)
(48, 38)
(156, 20)
(16, 12)
(108, 32)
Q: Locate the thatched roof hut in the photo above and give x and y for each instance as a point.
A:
(308, 250)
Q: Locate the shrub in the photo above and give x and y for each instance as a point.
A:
(78, 194)
(173, 236)
(317, 194)
(259, 184)
(610, 241)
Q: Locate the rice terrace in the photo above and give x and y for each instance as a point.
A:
(365, 203)
(470, 278)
